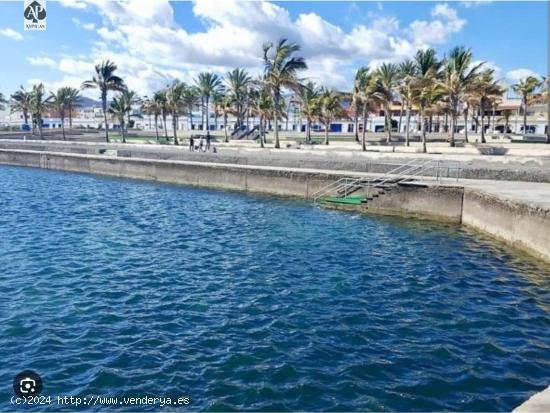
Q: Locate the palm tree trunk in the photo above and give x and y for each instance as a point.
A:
(388, 122)
(453, 127)
(261, 132)
(202, 113)
(400, 119)
(225, 127)
(104, 102)
(364, 133)
(157, 127)
(175, 126)
(39, 117)
(276, 119)
(63, 127)
(525, 115)
(482, 123)
(408, 122)
(207, 116)
(122, 129)
(356, 126)
(423, 129)
(165, 126)
(466, 124)
(326, 132)
(308, 131)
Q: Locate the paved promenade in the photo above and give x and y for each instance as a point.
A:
(534, 194)
(538, 403)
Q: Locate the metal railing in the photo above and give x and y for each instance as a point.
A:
(416, 168)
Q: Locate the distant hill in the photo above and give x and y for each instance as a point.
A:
(85, 102)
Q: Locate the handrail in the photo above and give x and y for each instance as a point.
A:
(324, 190)
(402, 172)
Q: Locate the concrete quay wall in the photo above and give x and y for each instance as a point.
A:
(523, 226)
(502, 167)
(519, 225)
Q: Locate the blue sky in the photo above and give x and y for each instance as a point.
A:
(154, 41)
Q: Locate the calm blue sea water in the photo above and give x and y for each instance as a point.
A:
(121, 288)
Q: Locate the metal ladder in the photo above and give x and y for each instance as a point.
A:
(406, 172)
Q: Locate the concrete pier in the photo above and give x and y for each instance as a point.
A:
(538, 403)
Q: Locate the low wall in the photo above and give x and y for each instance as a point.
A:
(262, 179)
(520, 225)
(434, 202)
(505, 167)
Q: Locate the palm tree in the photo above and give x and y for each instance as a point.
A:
(152, 107)
(59, 102)
(407, 73)
(175, 104)
(225, 106)
(262, 107)
(217, 99)
(357, 98)
(367, 86)
(120, 108)
(72, 99)
(525, 87)
(386, 78)
(105, 80)
(189, 98)
(208, 84)
(506, 115)
(425, 85)
(21, 102)
(160, 98)
(308, 95)
(132, 97)
(485, 88)
(281, 69)
(330, 107)
(238, 83)
(458, 74)
(39, 104)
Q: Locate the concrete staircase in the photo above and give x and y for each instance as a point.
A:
(344, 191)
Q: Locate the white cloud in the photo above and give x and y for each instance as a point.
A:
(75, 4)
(443, 10)
(85, 26)
(446, 23)
(75, 66)
(42, 61)
(514, 76)
(12, 34)
(474, 3)
(143, 38)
